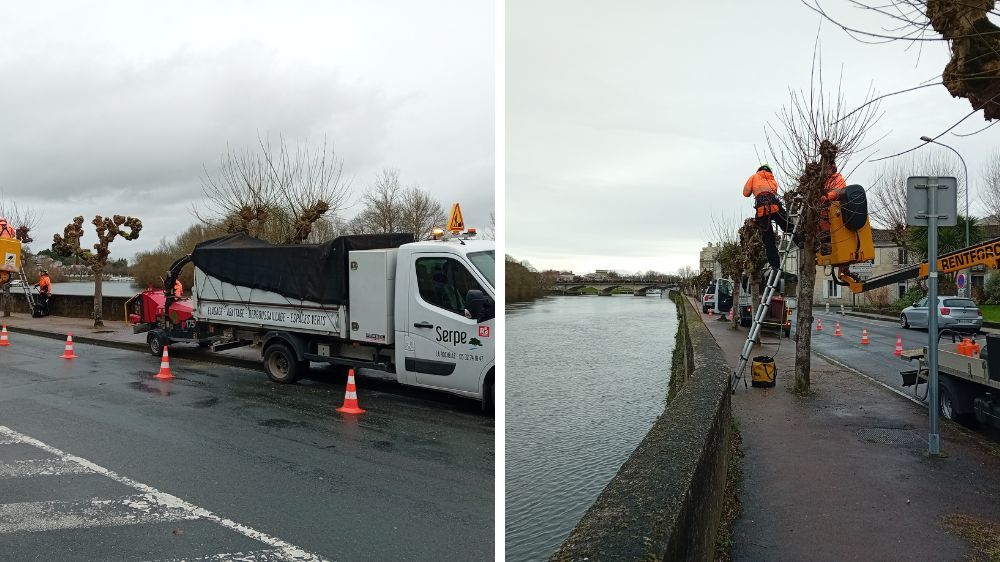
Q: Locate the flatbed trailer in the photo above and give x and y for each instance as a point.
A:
(969, 385)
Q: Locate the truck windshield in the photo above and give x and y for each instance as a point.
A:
(485, 262)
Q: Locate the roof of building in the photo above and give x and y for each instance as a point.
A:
(882, 236)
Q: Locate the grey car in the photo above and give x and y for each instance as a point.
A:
(956, 313)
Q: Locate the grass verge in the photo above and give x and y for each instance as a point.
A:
(678, 361)
(983, 536)
(731, 506)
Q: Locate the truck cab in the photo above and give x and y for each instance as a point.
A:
(445, 316)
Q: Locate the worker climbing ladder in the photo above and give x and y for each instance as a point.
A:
(774, 277)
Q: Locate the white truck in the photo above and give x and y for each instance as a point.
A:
(422, 311)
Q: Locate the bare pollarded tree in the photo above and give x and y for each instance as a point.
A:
(107, 229)
(973, 70)
(23, 219)
(814, 132)
(990, 186)
(753, 260)
(274, 191)
(731, 256)
(887, 194)
(388, 206)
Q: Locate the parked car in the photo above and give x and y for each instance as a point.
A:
(956, 313)
(708, 297)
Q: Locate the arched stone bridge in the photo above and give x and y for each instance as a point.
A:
(606, 288)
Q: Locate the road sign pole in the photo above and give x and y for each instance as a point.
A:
(931, 202)
(934, 435)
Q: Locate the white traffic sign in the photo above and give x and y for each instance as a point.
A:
(944, 190)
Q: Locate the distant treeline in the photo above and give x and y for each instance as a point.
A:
(522, 281)
(150, 267)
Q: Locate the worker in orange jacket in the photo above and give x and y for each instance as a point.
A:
(6, 230)
(178, 288)
(834, 185)
(764, 188)
(44, 292)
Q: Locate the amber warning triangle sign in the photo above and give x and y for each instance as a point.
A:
(455, 223)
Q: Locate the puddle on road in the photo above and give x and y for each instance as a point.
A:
(281, 423)
(158, 389)
(206, 403)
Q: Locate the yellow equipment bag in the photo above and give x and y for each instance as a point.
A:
(762, 371)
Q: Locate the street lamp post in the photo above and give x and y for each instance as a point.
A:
(966, 169)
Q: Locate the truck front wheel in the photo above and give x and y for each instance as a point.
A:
(489, 394)
(280, 364)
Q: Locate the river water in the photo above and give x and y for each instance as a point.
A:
(108, 288)
(585, 379)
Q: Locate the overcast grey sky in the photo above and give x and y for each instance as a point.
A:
(113, 107)
(630, 123)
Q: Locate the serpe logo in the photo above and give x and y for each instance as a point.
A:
(484, 331)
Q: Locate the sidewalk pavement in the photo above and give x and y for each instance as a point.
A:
(116, 333)
(843, 474)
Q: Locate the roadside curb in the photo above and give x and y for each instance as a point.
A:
(833, 361)
(871, 316)
(194, 354)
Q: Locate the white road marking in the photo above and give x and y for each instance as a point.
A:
(4, 440)
(85, 514)
(252, 556)
(40, 467)
(150, 500)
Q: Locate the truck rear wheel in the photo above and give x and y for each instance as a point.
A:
(156, 342)
(955, 402)
(280, 364)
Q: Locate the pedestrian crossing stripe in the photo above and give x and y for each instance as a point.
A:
(146, 505)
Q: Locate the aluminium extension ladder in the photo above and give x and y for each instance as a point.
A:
(785, 246)
(27, 290)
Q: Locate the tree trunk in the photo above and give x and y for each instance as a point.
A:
(98, 301)
(6, 300)
(804, 316)
(810, 189)
(736, 301)
(755, 298)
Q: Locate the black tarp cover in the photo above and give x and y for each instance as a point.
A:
(312, 272)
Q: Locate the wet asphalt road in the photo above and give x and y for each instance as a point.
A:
(101, 461)
(875, 359)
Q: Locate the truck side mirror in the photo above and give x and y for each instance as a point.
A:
(479, 305)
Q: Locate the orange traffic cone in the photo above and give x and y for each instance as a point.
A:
(351, 397)
(164, 373)
(4, 342)
(837, 331)
(819, 324)
(864, 336)
(729, 315)
(711, 312)
(68, 352)
(899, 347)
